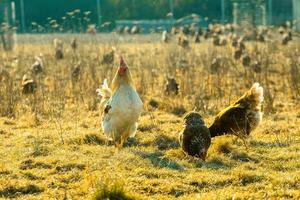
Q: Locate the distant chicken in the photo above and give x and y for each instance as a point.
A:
(127, 29)
(37, 66)
(171, 86)
(121, 106)
(241, 45)
(28, 85)
(164, 37)
(91, 29)
(256, 66)
(135, 30)
(175, 30)
(260, 37)
(286, 37)
(183, 41)
(223, 41)
(234, 40)
(108, 58)
(58, 46)
(216, 40)
(195, 138)
(246, 60)
(74, 44)
(76, 73)
(237, 54)
(197, 37)
(241, 117)
(4, 75)
(216, 65)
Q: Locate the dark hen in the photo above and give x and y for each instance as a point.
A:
(37, 66)
(241, 117)
(171, 86)
(29, 85)
(195, 138)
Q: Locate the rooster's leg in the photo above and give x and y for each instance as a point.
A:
(120, 142)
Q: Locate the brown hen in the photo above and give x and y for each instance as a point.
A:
(241, 117)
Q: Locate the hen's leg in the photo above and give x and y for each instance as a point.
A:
(120, 142)
(117, 139)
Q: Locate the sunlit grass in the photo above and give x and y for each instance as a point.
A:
(52, 145)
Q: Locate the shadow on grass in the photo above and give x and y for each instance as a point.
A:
(255, 143)
(178, 111)
(70, 167)
(131, 142)
(93, 139)
(31, 164)
(246, 178)
(164, 142)
(147, 128)
(242, 157)
(14, 191)
(217, 184)
(158, 160)
(212, 164)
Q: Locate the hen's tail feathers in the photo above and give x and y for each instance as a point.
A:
(257, 92)
(214, 131)
(104, 92)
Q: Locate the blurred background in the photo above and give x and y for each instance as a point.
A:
(36, 16)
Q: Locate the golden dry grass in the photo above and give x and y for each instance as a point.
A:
(52, 146)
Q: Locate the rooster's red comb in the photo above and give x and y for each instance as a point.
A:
(122, 62)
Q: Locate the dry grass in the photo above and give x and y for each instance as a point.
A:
(52, 145)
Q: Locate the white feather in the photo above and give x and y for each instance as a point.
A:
(258, 91)
(105, 93)
(255, 117)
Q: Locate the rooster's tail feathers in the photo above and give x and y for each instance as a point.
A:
(257, 92)
(104, 91)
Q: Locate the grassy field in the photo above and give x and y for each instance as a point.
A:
(52, 146)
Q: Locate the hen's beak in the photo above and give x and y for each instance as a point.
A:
(123, 66)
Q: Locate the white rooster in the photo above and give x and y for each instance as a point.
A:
(121, 106)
